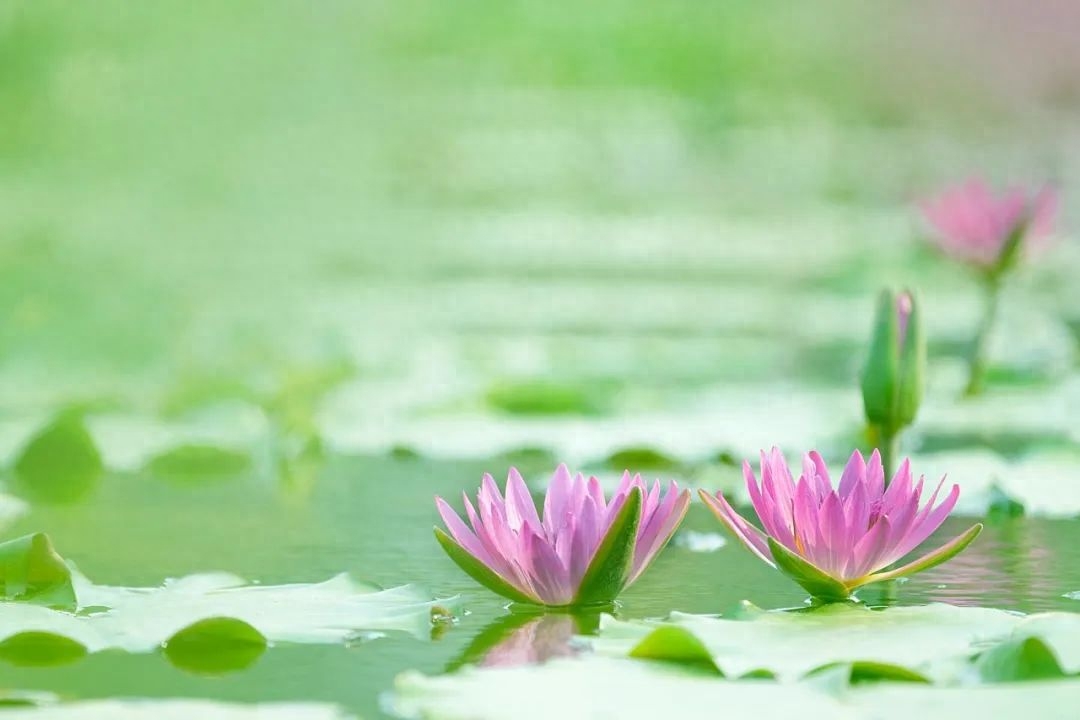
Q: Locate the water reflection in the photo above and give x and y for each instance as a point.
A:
(526, 637)
(1012, 566)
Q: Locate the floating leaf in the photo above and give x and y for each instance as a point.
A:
(61, 463)
(599, 687)
(672, 643)
(540, 397)
(215, 645)
(790, 644)
(196, 460)
(32, 571)
(38, 649)
(1019, 659)
(156, 709)
(217, 609)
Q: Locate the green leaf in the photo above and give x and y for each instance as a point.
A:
(816, 582)
(670, 643)
(928, 641)
(195, 461)
(543, 397)
(157, 708)
(478, 571)
(1019, 659)
(32, 571)
(215, 645)
(61, 463)
(944, 553)
(601, 687)
(202, 611)
(641, 459)
(610, 567)
(35, 648)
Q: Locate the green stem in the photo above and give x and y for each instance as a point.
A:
(890, 451)
(978, 360)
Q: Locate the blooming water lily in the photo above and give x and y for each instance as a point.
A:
(585, 550)
(834, 540)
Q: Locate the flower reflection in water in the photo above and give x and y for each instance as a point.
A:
(525, 638)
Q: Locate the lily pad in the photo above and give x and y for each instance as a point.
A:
(32, 571)
(198, 460)
(169, 709)
(61, 463)
(600, 687)
(1045, 700)
(791, 644)
(218, 610)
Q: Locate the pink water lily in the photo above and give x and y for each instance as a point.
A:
(585, 549)
(973, 225)
(834, 540)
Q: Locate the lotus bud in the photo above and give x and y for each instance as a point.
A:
(892, 380)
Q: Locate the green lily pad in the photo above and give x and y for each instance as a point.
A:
(1039, 700)
(39, 649)
(197, 460)
(600, 687)
(215, 645)
(156, 709)
(61, 463)
(32, 571)
(926, 640)
(541, 397)
(197, 613)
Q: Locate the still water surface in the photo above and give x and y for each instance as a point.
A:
(373, 516)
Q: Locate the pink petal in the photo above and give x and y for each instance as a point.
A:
(520, 509)
(746, 533)
(557, 501)
(461, 533)
(868, 551)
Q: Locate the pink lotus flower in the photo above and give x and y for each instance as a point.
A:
(585, 550)
(832, 541)
(974, 226)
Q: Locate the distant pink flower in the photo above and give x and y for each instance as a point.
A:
(585, 550)
(973, 225)
(832, 541)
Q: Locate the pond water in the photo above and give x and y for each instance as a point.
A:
(373, 516)
(281, 272)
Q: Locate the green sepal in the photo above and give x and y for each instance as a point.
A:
(909, 390)
(814, 580)
(946, 552)
(610, 568)
(480, 572)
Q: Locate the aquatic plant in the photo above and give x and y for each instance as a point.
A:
(834, 540)
(585, 550)
(990, 233)
(892, 379)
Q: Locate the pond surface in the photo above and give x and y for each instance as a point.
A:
(373, 516)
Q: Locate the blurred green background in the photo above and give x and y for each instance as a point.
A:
(274, 273)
